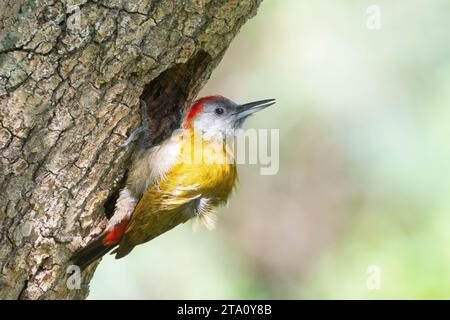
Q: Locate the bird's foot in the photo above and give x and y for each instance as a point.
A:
(132, 137)
(143, 128)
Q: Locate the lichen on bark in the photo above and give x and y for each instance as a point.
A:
(71, 76)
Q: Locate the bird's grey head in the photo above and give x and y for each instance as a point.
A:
(217, 115)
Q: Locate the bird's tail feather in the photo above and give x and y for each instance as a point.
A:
(93, 251)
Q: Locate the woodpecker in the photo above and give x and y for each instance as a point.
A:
(188, 175)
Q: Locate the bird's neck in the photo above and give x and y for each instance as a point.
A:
(204, 148)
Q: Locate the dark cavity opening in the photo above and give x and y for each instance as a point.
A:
(167, 95)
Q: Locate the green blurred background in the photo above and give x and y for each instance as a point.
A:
(364, 119)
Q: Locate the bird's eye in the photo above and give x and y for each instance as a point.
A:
(219, 111)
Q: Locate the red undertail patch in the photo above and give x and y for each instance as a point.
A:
(115, 234)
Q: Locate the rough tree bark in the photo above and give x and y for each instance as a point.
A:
(70, 82)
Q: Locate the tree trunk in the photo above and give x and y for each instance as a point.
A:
(70, 82)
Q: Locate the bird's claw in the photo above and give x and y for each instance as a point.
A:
(142, 128)
(132, 137)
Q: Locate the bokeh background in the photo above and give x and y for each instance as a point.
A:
(364, 119)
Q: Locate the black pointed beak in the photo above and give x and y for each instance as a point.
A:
(247, 109)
